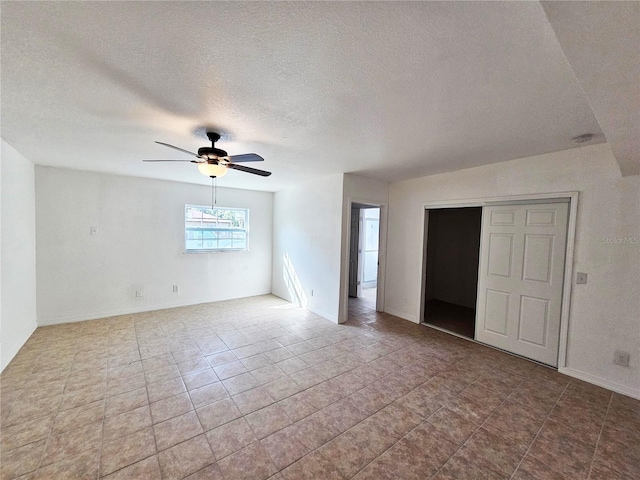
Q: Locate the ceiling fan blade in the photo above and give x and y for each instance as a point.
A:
(178, 148)
(190, 161)
(247, 157)
(255, 171)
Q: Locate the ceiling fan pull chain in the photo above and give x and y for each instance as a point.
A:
(214, 191)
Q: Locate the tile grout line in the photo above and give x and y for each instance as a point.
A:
(467, 439)
(146, 388)
(387, 345)
(10, 406)
(46, 443)
(538, 432)
(126, 411)
(204, 432)
(306, 416)
(231, 398)
(488, 416)
(341, 433)
(485, 421)
(595, 450)
(424, 418)
(104, 418)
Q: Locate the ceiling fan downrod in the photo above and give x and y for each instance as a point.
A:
(213, 137)
(212, 153)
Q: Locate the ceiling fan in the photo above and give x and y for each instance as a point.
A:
(214, 162)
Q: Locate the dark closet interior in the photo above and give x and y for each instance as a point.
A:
(453, 250)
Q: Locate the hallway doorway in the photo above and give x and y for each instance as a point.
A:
(363, 257)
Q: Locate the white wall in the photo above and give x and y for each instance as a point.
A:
(357, 189)
(139, 244)
(18, 253)
(306, 246)
(605, 313)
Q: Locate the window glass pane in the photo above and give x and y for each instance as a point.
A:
(372, 213)
(370, 273)
(209, 228)
(371, 234)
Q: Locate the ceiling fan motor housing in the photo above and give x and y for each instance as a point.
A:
(211, 152)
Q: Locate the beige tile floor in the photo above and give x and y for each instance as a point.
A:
(256, 389)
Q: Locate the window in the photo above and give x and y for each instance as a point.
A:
(210, 229)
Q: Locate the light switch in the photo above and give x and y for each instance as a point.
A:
(581, 278)
(94, 230)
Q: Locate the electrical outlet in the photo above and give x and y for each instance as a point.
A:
(581, 278)
(175, 289)
(621, 358)
(93, 230)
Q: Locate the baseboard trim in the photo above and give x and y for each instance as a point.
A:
(14, 351)
(332, 318)
(404, 316)
(325, 315)
(130, 311)
(600, 382)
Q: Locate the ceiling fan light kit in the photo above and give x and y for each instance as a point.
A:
(214, 162)
(212, 169)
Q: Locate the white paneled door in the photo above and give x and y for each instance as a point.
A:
(520, 279)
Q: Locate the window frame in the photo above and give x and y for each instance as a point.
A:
(246, 230)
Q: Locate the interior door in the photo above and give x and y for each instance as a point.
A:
(520, 279)
(353, 252)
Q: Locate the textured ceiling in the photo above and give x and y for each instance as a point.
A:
(602, 42)
(387, 90)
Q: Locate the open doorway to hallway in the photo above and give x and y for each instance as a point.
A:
(364, 258)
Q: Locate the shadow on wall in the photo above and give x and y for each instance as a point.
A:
(296, 292)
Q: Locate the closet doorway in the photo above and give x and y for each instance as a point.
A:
(451, 278)
(494, 272)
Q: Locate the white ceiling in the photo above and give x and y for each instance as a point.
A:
(602, 42)
(386, 90)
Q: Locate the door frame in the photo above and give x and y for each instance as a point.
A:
(382, 256)
(354, 270)
(363, 250)
(423, 286)
(571, 197)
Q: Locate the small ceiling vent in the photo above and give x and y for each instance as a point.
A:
(587, 137)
